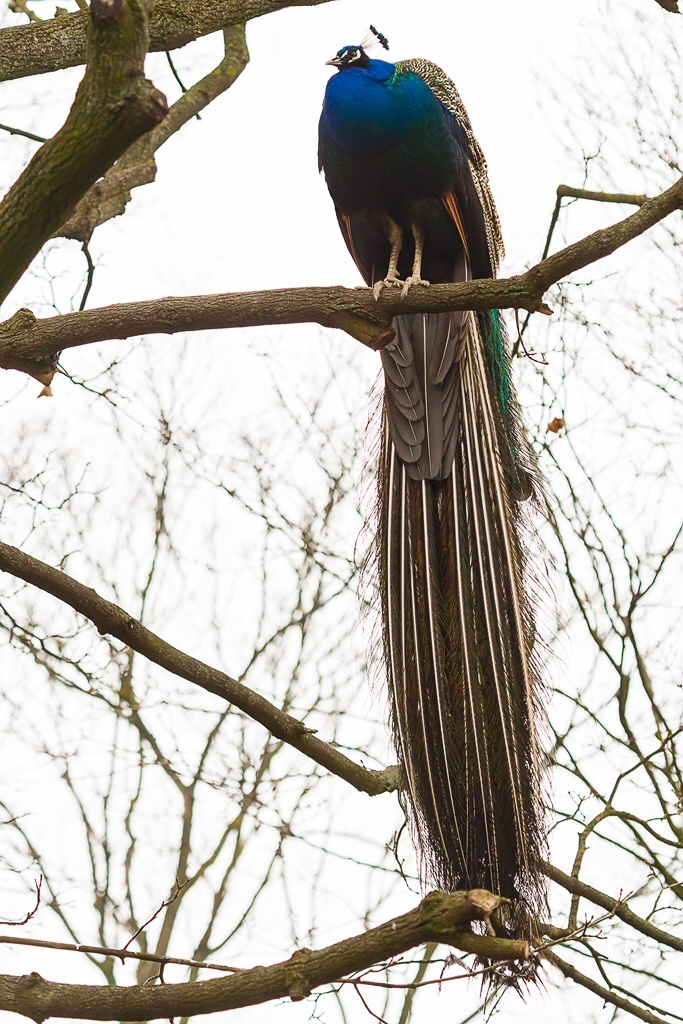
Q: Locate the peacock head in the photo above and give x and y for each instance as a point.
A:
(350, 57)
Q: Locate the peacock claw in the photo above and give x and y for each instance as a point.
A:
(388, 282)
(409, 282)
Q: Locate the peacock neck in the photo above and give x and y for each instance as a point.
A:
(369, 109)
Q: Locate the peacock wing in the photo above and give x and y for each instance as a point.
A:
(477, 170)
(447, 94)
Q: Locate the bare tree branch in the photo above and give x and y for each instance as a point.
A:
(119, 954)
(40, 47)
(31, 345)
(567, 192)
(20, 131)
(29, 913)
(440, 917)
(615, 906)
(108, 198)
(570, 971)
(114, 105)
(109, 618)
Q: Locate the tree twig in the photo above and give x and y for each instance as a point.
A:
(118, 954)
(110, 619)
(20, 131)
(625, 198)
(29, 913)
(570, 971)
(563, 192)
(90, 275)
(615, 906)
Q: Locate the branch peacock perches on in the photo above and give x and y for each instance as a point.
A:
(456, 476)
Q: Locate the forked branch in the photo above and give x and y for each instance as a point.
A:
(108, 198)
(615, 906)
(114, 105)
(440, 917)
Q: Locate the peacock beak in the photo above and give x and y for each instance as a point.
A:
(336, 62)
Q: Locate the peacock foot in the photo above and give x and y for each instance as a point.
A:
(390, 281)
(409, 282)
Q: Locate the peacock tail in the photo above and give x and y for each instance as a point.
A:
(457, 485)
(458, 629)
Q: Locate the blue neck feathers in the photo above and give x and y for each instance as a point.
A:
(369, 108)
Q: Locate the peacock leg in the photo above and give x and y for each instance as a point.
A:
(415, 277)
(395, 237)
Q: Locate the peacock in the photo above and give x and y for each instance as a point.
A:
(457, 481)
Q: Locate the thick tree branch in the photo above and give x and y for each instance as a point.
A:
(110, 619)
(40, 47)
(31, 345)
(114, 105)
(441, 917)
(37, 48)
(108, 198)
(614, 906)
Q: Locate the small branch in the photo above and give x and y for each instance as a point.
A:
(114, 105)
(615, 906)
(19, 7)
(174, 72)
(599, 990)
(177, 890)
(20, 131)
(30, 913)
(605, 241)
(112, 620)
(567, 192)
(108, 198)
(119, 954)
(407, 1008)
(440, 917)
(90, 276)
(36, 49)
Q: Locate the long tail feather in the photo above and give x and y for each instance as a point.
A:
(459, 637)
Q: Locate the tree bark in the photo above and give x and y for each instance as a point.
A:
(31, 345)
(440, 917)
(40, 47)
(114, 105)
